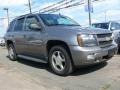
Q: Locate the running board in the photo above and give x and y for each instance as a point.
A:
(31, 58)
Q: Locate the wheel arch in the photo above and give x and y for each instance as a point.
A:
(52, 43)
(8, 42)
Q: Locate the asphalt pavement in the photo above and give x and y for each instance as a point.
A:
(27, 75)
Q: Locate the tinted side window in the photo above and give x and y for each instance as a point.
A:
(30, 20)
(11, 26)
(115, 26)
(19, 25)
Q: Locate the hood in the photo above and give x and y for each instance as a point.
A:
(98, 30)
(78, 30)
(116, 31)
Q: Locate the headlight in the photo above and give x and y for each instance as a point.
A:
(87, 40)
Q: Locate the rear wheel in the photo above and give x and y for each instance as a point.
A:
(119, 50)
(60, 61)
(11, 52)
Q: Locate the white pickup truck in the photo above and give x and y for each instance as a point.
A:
(112, 26)
(2, 41)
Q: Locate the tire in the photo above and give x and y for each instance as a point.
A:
(119, 50)
(12, 53)
(59, 55)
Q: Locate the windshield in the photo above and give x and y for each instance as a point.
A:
(53, 20)
(101, 25)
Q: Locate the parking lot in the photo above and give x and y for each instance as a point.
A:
(27, 75)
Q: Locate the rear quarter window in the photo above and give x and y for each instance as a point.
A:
(11, 26)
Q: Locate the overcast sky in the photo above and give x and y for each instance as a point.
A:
(18, 7)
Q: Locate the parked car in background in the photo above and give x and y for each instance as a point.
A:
(2, 41)
(111, 26)
(59, 41)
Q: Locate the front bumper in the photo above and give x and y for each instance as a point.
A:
(2, 44)
(91, 55)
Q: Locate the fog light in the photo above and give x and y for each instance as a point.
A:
(97, 60)
(91, 57)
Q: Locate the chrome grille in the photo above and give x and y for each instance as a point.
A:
(104, 39)
(104, 35)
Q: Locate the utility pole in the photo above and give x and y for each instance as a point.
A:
(29, 5)
(89, 11)
(105, 16)
(7, 10)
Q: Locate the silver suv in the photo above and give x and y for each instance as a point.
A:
(59, 41)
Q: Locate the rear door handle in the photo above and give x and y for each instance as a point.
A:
(11, 36)
(24, 36)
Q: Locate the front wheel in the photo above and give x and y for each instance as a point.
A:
(60, 61)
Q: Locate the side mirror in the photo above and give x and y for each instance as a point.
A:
(35, 27)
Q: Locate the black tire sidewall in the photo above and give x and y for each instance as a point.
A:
(15, 55)
(68, 67)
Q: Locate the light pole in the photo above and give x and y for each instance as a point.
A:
(89, 11)
(7, 10)
(105, 16)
